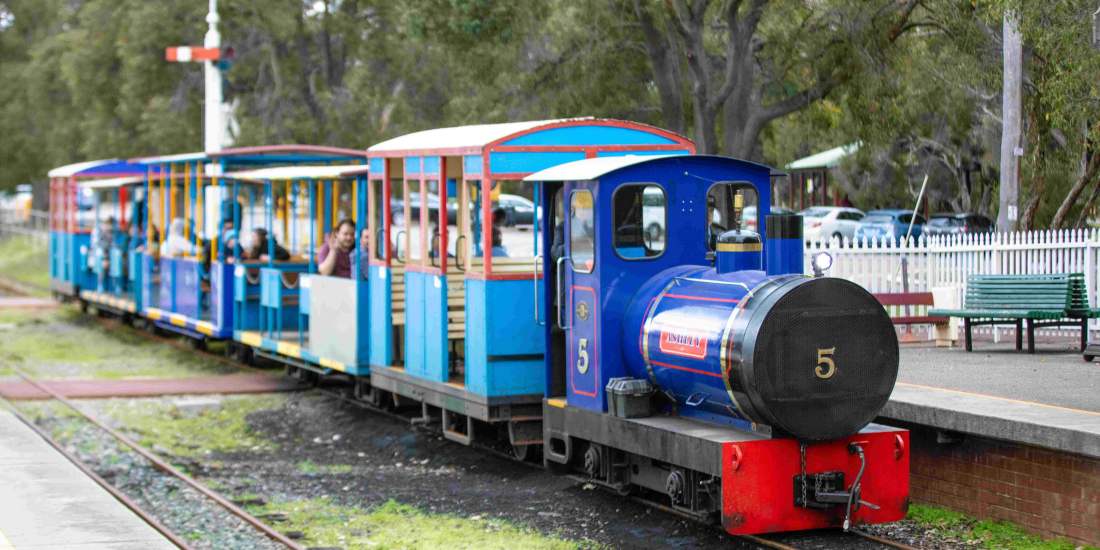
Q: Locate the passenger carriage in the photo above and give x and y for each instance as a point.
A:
(193, 293)
(698, 366)
(70, 222)
(286, 310)
(456, 326)
(112, 265)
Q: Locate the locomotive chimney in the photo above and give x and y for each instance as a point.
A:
(783, 250)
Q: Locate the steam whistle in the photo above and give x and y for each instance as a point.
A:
(738, 206)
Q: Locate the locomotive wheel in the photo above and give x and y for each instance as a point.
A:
(593, 459)
(675, 485)
(521, 452)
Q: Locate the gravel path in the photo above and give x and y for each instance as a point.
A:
(181, 509)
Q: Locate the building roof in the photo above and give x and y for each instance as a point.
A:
(825, 159)
(462, 137)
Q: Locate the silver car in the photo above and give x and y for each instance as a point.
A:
(821, 223)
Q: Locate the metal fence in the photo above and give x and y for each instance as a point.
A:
(30, 224)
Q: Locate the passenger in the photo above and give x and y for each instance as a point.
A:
(102, 239)
(137, 238)
(227, 241)
(364, 254)
(498, 247)
(257, 248)
(334, 257)
(177, 245)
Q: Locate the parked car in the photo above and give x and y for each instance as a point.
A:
(957, 223)
(748, 215)
(820, 223)
(397, 206)
(517, 210)
(890, 224)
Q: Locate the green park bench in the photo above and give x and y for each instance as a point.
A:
(1051, 300)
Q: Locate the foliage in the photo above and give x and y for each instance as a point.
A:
(987, 534)
(218, 429)
(395, 525)
(917, 82)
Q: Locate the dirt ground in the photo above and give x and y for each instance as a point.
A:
(389, 460)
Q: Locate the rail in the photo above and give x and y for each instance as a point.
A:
(165, 467)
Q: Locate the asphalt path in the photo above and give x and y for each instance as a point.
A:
(1055, 375)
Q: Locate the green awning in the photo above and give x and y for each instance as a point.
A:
(824, 159)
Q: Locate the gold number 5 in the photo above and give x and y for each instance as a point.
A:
(826, 367)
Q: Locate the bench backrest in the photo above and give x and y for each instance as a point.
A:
(1019, 292)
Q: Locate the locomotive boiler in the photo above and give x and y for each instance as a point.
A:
(813, 358)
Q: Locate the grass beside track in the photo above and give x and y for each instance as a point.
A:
(983, 534)
(196, 430)
(25, 261)
(395, 525)
(63, 343)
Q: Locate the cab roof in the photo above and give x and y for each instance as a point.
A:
(595, 168)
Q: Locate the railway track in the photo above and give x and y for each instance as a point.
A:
(157, 462)
(817, 539)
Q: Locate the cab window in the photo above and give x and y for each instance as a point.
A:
(582, 231)
(640, 221)
(721, 215)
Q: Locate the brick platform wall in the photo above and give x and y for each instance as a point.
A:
(1050, 493)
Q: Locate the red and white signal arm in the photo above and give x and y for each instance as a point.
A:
(184, 54)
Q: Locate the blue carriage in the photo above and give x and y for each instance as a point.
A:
(71, 221)
(187, 281)
(286, 309)
(456, 295)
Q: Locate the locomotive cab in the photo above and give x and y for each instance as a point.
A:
(691, 359)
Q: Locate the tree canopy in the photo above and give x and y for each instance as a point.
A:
(916, 82)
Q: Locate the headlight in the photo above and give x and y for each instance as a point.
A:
(821, 263)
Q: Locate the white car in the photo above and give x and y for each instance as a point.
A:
(821, 223)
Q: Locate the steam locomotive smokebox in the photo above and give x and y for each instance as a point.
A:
(629, 397)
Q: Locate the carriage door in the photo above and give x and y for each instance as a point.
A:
(578, 275)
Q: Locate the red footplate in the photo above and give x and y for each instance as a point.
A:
(758, 481)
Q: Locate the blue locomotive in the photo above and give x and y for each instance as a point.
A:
(638, 334)
(699, 363)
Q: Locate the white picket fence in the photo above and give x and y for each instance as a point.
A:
(937, 262)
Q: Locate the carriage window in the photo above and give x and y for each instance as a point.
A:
(640, 221)
(582, 231)
(721, 216)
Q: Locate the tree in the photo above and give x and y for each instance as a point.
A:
(749, 63)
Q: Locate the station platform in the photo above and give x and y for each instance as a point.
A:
(47, 503)
(1050, 399)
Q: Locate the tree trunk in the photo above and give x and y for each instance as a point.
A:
(1092, 172)
(1082, 216)
(664, 62)
(1011, 98)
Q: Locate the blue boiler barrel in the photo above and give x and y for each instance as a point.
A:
(815, 358)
